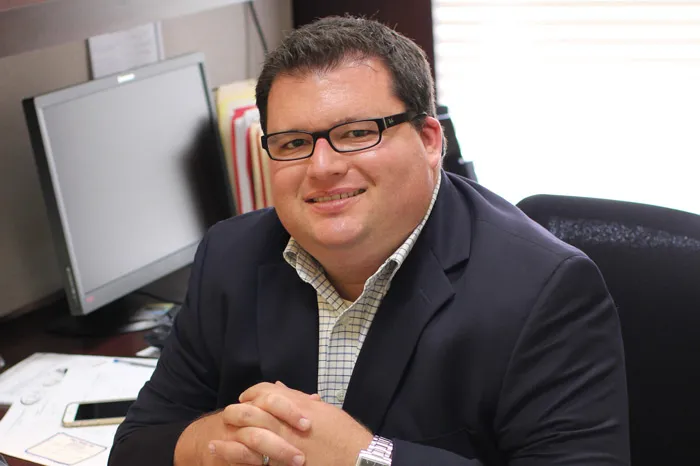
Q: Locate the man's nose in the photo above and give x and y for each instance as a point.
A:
(325, 161)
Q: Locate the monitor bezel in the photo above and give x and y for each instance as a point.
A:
(82, 302)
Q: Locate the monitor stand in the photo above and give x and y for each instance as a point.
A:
(122, 316)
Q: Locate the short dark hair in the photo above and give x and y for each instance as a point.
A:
(332, 41)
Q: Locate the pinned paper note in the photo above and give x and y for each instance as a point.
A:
(66, 449)
(119, 51)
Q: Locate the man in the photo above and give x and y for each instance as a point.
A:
(384, 313)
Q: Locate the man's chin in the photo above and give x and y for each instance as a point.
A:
(337, 239)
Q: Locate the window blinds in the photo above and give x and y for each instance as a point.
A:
(591, 98)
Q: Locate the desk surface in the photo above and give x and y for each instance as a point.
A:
(21, 337)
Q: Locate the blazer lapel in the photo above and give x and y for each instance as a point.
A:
(287, 327)
(419, 289)
(412, 300)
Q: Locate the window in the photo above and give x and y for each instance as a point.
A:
(586, 98)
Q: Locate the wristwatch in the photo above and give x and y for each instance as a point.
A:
(377, 454)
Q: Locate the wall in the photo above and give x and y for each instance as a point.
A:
(28, 269)
(413, 18)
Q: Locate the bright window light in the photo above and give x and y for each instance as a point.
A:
(583, 98)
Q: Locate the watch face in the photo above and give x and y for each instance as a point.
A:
(371, 462)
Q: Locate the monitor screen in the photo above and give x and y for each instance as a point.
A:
(129, 166)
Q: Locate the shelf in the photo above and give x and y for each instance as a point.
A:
(33, 24)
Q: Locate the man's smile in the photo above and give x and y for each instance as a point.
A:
(335, 197)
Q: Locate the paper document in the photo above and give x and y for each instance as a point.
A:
(31, 426)
(15, 380)
(65, 449)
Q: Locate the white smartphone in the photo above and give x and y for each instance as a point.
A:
(96, 413)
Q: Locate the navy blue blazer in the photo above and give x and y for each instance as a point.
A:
(496, 344)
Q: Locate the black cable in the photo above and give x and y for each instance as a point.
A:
(257, 26)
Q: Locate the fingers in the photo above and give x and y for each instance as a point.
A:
(234, 453)
(314, 396)
(249, 415)
(253, 442)
(264, 387)
(277, 401)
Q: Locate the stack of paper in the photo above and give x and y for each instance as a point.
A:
(246, 161)
(40, 388)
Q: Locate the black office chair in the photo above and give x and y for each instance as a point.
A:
(650, 259)
(453, 161)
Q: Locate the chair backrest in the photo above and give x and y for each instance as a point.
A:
(650, 259)
(453, 161)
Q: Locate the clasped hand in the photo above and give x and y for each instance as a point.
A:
(291, 428)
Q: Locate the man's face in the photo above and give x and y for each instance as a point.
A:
(386, 189)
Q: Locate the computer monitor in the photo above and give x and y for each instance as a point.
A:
(132, 174)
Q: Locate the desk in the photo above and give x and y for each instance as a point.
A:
(26, 335)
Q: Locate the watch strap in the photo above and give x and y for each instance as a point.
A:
(381, 447)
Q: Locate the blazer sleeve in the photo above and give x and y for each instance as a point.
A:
(563, 399)
(413, 454)
(182, 388)
(564, 395)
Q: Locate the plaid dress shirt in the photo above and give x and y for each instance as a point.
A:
(343, 325)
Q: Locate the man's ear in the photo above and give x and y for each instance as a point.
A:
(431, 135)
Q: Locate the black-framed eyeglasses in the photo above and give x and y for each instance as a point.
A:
(346, 137)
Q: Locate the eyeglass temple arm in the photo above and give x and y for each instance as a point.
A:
(393, 120)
